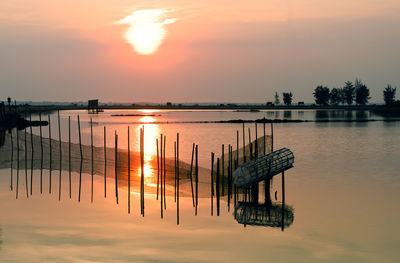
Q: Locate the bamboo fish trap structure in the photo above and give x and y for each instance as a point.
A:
(260, 169)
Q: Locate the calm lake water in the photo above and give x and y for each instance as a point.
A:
(343, 189)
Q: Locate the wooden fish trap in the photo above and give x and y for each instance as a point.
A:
(259, 169)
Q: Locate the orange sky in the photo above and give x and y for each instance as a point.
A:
(213, 50)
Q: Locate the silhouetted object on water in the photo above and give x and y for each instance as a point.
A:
(259, 169)
(254, 214)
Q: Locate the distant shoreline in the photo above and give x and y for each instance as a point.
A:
(249, 107)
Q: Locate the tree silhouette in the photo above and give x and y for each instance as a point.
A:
(335, 97)
(277, 101)
(348, 92)
(362, 92)
(287, 98)
(389, 94)
(321, 95)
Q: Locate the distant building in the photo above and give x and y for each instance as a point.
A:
(169, 104)
(270, 104)
(300, 103)
(93, 106)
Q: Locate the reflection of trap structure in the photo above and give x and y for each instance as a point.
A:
(274, 215)
(264, 167)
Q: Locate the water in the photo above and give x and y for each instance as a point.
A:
(343, 190)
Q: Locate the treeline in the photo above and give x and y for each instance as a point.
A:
(350, 93)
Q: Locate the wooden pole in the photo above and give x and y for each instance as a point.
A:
(26, 163)
(283, 200)
(177, 178)
(12, 160)
(16, 193)
(30, 127)
(129, 173)
(256, 142)
(197, 179)
(92, 158)
(105, 162)
(223, 170)
(244, 145)
(191, 173)
(142, 168)
(41, 154)
(229, 174)
(161, 175)
(69, 155)
(50, 152)
(251, 146)
(59, 145)
(116, 166)
(80, 137)
(175, 171)
(212, 184)
(272, 136)
(237, 146)
(165, 173)
(265, 138)
(217, 187)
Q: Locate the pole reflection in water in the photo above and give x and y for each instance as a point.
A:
(267, 214)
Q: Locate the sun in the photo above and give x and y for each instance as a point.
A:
(147, 29)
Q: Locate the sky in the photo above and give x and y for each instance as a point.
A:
(195, 51)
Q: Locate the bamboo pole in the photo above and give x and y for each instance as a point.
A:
(129, 173)
(30, 129)
(80, 137)
(26, 162)
(212, 184)
(142, 170)
(272, 136)
(92, 158)
(105, 162)
(237, 146)
(116, 166)
(191, 173)
(250, 145)
(161, 175)
(244, 145)
(197, 179)
(175, 172)
(165, 173)
(217, 186)
(177, 178)
(265, 138)
(12, 160)
(256, 142)
(229, 174)
(41, 154)
(59, 141)
(283, 200)
(223, 171)
(69, 156)
(16, 192)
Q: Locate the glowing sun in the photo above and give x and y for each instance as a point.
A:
(147, 29)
